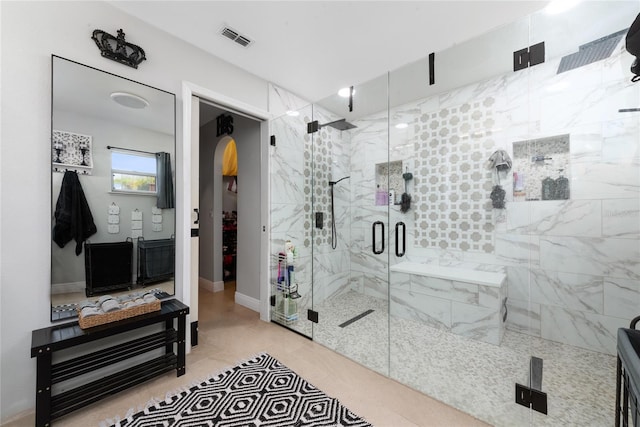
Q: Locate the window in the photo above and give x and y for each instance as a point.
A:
(133, 173)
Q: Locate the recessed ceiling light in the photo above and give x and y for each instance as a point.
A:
(293, 113)
(402, 126)
(129, 100)
(345, 92)
(559, 6)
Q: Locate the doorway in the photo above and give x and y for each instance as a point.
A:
(251, 127)
(223, 207)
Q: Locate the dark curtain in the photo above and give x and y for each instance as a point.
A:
(164, 181)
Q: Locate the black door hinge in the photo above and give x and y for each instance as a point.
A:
(533, 397)
(272, 300)
(312, 316)
(313, 126)
(528, 57)
(194, 333)
(432, 68)
(273, 140)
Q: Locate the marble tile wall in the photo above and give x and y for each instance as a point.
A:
(573, 265)
(300, 169)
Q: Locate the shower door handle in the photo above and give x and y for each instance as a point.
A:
(404, 239)
(373, 237)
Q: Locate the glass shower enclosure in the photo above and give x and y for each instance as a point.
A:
(469, 224)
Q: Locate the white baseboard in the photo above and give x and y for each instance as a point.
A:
(210, 286)
(68, 288)
(205, 284)
(245, 301)
(218, 286)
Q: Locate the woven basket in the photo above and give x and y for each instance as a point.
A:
(114, 316)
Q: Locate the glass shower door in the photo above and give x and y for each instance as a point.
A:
(448, 277)
(350, 233)
(291, 233)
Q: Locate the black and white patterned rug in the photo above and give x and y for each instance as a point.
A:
(259, 392)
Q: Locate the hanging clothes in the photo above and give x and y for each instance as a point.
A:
(499, 163)
(73, 218)
(230, 159)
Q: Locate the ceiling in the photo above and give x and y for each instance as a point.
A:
(87, 91)
(313, 48)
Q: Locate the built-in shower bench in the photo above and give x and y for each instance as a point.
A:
(465, 300)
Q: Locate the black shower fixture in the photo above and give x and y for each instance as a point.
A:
(341, 124)
(633, 47)
(350, 99)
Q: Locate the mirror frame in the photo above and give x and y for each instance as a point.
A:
(66, 311)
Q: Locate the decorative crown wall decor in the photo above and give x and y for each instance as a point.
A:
(118, 49)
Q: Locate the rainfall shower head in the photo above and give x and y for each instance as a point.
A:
(341, 124)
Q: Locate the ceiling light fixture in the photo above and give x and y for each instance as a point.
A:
(402, 126)
(560, 6)
(345, 92)
(129, 100)
(293, 113)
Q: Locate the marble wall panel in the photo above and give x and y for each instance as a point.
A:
(556, 218)
(579, 292)
(513, 249)
(585, 330)
(445, 289)
(432, 311)
(593, 256)
(621, 218)
(523, 316)
(478, 323)
(621, 298)
(491, 296)
(281, 101)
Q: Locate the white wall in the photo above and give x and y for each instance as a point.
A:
(31, 32)
(247, 137)
(208, 252)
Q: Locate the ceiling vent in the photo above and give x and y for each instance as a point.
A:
(236, 37)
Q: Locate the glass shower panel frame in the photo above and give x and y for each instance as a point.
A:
(351, 280)
(585, 283)
(448, 280)
(291, 207)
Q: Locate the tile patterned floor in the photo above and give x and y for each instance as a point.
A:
(473, 376)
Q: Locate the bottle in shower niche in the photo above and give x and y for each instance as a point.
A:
(382, 197)
(562, 187)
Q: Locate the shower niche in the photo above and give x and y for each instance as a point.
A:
(541, 169)
(389, 183)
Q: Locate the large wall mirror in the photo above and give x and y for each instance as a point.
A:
(112, 187)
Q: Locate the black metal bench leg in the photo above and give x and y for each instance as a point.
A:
(43, 390)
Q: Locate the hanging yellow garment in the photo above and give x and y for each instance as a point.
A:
(230, 160)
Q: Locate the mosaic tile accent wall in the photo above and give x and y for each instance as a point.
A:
(317, 170)
(452, 185)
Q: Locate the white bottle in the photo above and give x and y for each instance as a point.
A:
(392, 197)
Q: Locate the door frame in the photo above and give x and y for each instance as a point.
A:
(188, 90)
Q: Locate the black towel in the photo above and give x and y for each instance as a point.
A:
(73, 219)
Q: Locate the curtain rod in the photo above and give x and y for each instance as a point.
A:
(109, 147)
